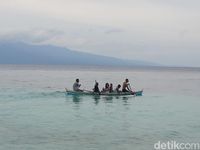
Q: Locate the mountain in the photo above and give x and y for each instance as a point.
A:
(22, 53)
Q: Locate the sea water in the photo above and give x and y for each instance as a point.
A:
(35, 113)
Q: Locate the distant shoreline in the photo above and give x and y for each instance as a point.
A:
(94, 67)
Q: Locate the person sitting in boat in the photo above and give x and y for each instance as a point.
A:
(126, 86)
(117, 89)
(76, 86)
(111, 88)
(96, 88)
(106, 88)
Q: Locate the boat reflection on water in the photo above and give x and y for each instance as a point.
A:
(97, 98)
(76, 99)
(79, 98)
(108, 99)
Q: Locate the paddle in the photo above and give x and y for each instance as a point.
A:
(86, 90)
(132, 92)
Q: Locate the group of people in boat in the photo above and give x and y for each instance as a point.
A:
(107, 89)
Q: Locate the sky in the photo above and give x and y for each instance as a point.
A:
(161, 31)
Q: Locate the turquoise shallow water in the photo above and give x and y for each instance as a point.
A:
(35, 113)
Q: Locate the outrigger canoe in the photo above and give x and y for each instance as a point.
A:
(136, 93)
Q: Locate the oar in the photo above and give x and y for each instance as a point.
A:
(129, 86)
(86, 90)
(132, 92)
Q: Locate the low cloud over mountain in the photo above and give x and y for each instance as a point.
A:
(22, 53)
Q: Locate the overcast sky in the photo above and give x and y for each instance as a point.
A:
(162, 31)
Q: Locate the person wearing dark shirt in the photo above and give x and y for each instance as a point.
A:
(96, 88)
(117, 89)
(111, 88)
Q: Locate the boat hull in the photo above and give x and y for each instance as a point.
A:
(137, 93)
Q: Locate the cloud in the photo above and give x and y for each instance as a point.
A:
(114, 31)
(32, 36)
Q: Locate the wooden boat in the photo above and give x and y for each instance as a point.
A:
(85, 92)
